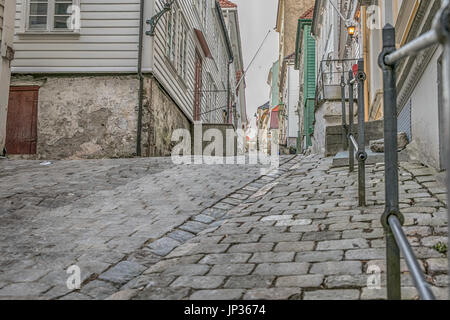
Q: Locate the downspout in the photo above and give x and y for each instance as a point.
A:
(141, 81)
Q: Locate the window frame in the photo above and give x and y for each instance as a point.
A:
(177, 41)
(50, 27)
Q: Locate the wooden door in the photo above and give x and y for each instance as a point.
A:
(21, 124)
(198, 86)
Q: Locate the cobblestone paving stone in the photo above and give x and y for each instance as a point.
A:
(304, 237)
(146, 229)
(112, 218)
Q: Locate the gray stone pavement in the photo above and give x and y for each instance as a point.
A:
(112, 218)
(146, 229)
(305, 238)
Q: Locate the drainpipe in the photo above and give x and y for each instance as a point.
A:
(141, 81)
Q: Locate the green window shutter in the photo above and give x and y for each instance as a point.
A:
(310, 64)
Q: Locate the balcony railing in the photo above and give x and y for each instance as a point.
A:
(330, 77)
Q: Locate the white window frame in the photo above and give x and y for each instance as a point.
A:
(177, 41)
(25, 21)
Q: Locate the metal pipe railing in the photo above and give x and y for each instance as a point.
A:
(344, 117)
(351, 119)
(416, 272)
(426, 40)
(392, 219)
(355, 144)
(362, 156)
(357, 149)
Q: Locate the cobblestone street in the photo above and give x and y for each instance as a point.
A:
(147, 229)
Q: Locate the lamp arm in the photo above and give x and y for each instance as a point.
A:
(153, 21)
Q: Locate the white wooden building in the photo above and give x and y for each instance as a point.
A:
(95, 68)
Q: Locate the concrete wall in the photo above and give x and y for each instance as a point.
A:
(328, 113)
(223, 131)
(374, 130)
(7, 12)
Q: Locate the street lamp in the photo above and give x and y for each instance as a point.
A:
(351, 29)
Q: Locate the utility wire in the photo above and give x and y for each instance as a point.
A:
(254, 57)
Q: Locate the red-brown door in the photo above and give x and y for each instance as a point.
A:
(198, 86)
(21, 124)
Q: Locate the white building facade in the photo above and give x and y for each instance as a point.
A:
(105, 88)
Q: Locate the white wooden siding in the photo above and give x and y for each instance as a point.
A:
(108, 41)
(182, 90)
(2, 9)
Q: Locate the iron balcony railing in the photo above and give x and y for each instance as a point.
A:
(329, 78)
(356, 147)
(392, 218)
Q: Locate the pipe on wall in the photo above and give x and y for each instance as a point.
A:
(141, 82)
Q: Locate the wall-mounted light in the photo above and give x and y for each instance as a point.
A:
(153, 21)
(351, 30)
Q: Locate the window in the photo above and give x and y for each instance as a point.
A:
(182, 47)
(201, 9)
(52, 15)
(177, 40)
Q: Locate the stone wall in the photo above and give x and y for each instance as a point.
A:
(327, 139)
(85, 116)
(374, 130)
(161, 117)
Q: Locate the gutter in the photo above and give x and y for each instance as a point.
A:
(141, 81)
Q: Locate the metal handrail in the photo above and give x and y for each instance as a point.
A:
(411, 260)
(357, 149)
(354, 143)
(392, 219)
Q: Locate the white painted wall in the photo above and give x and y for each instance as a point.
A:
(425, 115)
(7, 9)
(107, 42)
(293, 88)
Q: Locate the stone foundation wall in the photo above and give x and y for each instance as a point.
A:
(160, 118)
(374, 130)
(87, 117)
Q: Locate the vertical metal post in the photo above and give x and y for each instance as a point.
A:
(391, 165)
(351, 149)
(445, 40)
(362, 155)
(344, 116)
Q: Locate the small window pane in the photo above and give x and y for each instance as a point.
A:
(61, 22)
(62, 8)
(38, 22)
(38, 9)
